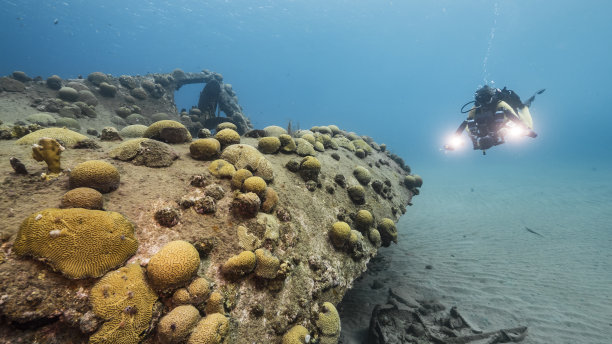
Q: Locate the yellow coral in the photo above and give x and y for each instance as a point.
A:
(175, 326)
(173, 265)
(287, 143)
(48, 150)
(388, 232)
(86, 198)
(227, 137)
(245, 156)
(181, 297)
(205, 149)
(364, 219)
(254, 184)
(270, 200)
(127, 150)
(328, 323)
(296, 335)
(269, 145)
(66, 136)
(310, 138)
(340, 233)
(211, 330)
(267, 264)
(95, 174)
(240, 265)
(239, 177)
(226, 125)
(168, 131)
(199, 290)
(78, 242)
(310, 168)
(214, 304)
(221, 169)
(124, 300)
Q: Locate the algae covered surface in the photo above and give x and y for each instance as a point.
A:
(281, 220)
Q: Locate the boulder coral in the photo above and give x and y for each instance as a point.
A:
(267, 265)
(213, 329)
(173, 266)
(388, 232)
(86, 198)
(287, 144)
(215, 304)
(68, 137)
(97, 78)
(248, 157)
(78, 242)
(270, 200)
(269, 145)
(221, 169)
(298, 334)
(328, 323)
(48, 150)
(227, 137)
(239, 177)
(226, 125)
(205, 149)
(95, 174)
(168, 131)
(339, 234)
(364, 220)
(254, 184)
(310, 168)
(68, 94)
(362, 175)
(124, 301)
(239, 265)
(176, 326)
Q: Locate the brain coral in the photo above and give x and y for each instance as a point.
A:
(95, 174)
(226, 125)
(269, 145)
(339, 233)
(78, 242)
(227, 137)
(388, 232)
(168, 131)
(63, 135)
(215, 303)
(211, 330)
(270, 200)
(267, 264)
(221, 169)
(86, 198)
(328, 323)
(248, 157)
(296, 335)
(175, 326)
(254, 184)
(173, 265)
(362, 175)
(363, 220)
(240, 265)
(205, 149)
(239, 177)
(124, 300)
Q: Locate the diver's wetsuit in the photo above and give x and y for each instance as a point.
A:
(484, 121)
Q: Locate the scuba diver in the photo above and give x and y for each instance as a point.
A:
(495, 115)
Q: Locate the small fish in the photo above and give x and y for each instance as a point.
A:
(55, 21)
(532, 231)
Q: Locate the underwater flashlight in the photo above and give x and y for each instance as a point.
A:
(455, 142)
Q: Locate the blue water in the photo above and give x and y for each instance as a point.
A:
(395, 70)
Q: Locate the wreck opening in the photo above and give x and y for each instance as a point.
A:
(216, 102)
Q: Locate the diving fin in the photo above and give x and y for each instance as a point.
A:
(532, 98)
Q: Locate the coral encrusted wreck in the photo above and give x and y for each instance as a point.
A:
(169, 226)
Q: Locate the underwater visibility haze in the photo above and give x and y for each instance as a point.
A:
(399, 72)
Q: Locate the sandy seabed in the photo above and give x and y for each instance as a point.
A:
(471, 229)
